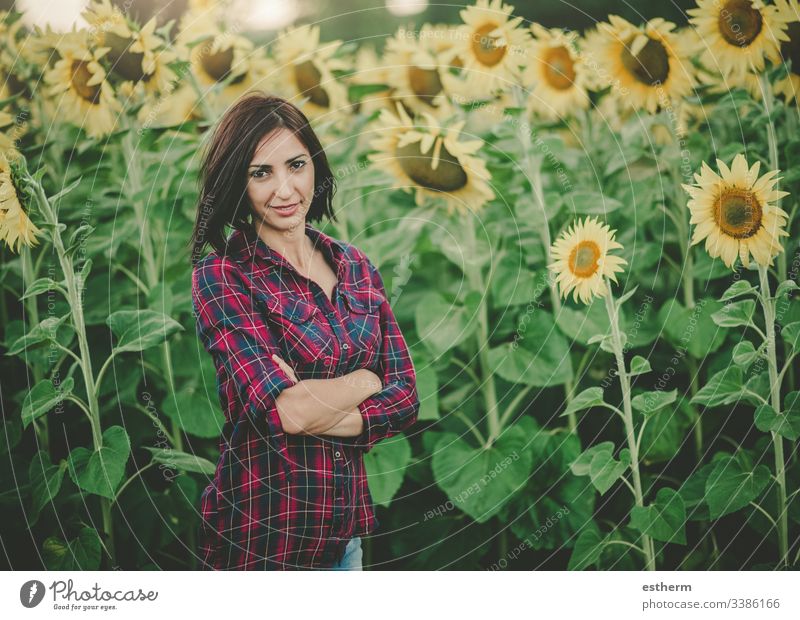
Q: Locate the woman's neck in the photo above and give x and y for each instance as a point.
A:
(294, 245)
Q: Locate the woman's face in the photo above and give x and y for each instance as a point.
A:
(280, 181)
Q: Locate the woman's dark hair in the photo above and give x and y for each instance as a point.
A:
(223, 172)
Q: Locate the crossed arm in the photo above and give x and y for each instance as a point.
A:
(325, 406)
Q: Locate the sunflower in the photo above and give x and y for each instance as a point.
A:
(79, 86)
(581, 259)
(371, 70)
(172, 107)
(12, 128)
(643, 65)
(414, 69)
(789, 86)
(738, 34)
(734, 213)
(489, 45)
(555, 74)
(136, 55)
(15, 226)
(430, 160)
(105, 20)
(307, 68)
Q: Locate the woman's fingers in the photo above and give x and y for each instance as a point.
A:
(285, 367)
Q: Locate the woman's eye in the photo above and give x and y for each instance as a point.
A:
(298, 164)
(258, 174)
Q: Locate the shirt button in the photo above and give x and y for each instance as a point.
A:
(337, 454)
(345, 346)
(331, 314)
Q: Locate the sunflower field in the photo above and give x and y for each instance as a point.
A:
(589, 239)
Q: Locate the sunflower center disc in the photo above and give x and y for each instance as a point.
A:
(583, 259)
(217, 65)
(559, 68)
(487, 49)
(739, 23)
(449, 176)
(651, 65)
(126, 64)
(308, 83)
(80, 76)
(738, 213)
(425, 83)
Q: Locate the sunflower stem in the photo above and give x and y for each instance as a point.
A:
(624, 379)
(75, 298)
(486, 375)
(135, 184)
(768, 305)
(28, 276)
(533, 169)
(772, 140)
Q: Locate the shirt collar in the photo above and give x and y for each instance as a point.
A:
(246, 246)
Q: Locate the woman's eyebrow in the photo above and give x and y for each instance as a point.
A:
(288, 161)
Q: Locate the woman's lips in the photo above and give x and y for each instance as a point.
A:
(287, 210)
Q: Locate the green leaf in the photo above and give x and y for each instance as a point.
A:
(101, 471)
(41, 285)
(46, 331)
(588, 548)
(664, 519)
(585, 322)
(386, 467)
(356, 92)
(540, 357)
(737, 289)
(736, 314)
(480, 481)
(639, 366)
(693, 492)
(604, 471)
(785, 287)
(786, 424)
(744, 354)
(182, 460)
(137, 330)
(723, 388)
(45, 479)
(586, 202)
(626, 296)
(428, 392)
(43, 397)
(81, 553)
(590, 397)
(664, 433)
(732, 485)
(648, 402)
(195, 410)
(606, 341)
(442, 325)
(600, 465)
(791, 335)
(692, 329)
(581, 466)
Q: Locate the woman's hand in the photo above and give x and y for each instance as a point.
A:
(286, 368)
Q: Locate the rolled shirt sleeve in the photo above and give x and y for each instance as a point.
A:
(395, 407)
(234, 331)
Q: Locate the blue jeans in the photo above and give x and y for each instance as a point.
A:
(351, 560)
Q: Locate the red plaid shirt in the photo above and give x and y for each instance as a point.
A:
(280, 501)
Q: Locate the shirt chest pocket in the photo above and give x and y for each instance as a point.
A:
(299, 330)
(363, 322)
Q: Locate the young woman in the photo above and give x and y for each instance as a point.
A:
(312, 369)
